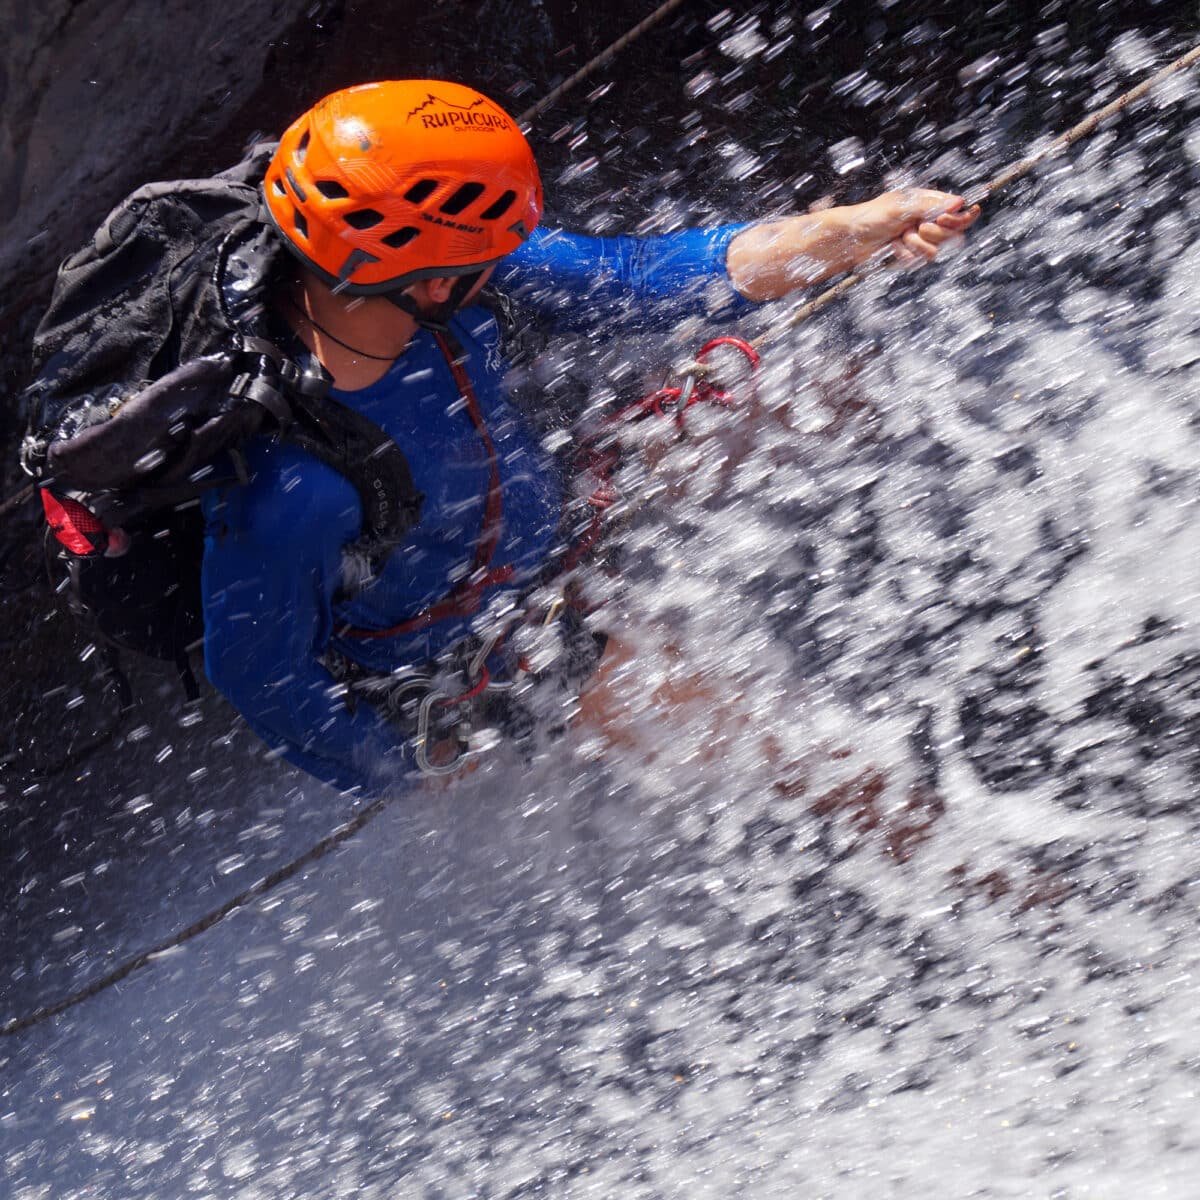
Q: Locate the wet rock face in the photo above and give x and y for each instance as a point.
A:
(95, 93)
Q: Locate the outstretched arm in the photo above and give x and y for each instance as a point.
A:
(575, 282)
(769, 260)
(572, 280)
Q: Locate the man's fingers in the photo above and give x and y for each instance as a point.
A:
(947, 203)
(924, 204)
(935, 232)
(918, 245)
(913, 250)
(903, 257)
(937, 220)
(959, 221)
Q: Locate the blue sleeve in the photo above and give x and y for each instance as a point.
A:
(574, 282)
(274, 548)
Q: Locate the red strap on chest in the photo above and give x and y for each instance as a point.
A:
(466, 597)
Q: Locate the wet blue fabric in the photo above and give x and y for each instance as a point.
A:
(273, 566)
(580, 283)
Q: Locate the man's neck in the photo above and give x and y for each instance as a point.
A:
(370, 324)
(355, 338)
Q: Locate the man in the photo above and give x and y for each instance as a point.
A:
(399, 201)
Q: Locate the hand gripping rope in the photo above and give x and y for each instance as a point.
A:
(985, 191)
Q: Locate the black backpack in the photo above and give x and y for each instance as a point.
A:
(155, 362)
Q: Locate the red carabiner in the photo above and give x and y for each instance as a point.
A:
(712, 393)
(737, 343)
(667, 401)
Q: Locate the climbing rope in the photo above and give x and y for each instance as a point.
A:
(264, 885)
(596, 63)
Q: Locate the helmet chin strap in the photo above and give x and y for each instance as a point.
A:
(437, 321)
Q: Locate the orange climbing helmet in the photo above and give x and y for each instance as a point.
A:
(382, 184)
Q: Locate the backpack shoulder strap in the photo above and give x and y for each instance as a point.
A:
(359, 450)
(177, 274)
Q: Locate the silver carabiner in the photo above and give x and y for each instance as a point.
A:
(399, 690)
(476, 665)
(421, 741)
(686, 391)
(477, 674)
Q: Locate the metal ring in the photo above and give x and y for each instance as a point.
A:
(396, 692)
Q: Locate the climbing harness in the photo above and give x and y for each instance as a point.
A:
(432, 710)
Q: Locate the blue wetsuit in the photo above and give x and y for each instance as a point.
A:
(273, 561)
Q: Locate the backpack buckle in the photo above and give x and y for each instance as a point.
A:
(289, 373)
(311, 380)
(33, 455)
(258, 390)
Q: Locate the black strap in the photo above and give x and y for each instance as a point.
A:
(438, 321)
(355, 447)
(259, 389)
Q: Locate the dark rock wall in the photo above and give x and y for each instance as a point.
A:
(97, 94)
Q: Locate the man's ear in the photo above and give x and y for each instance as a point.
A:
(437, 290)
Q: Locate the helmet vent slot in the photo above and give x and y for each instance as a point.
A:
(300, 222)
(499, 207)
(280, 190)
(331, 189)
(420, 192)
(302, 147)
(400, 238)
(466, 195)
(363, 218)
(300, 193)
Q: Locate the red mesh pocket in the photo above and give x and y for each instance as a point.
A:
(77, 528)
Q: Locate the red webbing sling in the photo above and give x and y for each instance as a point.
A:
(466, 598)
